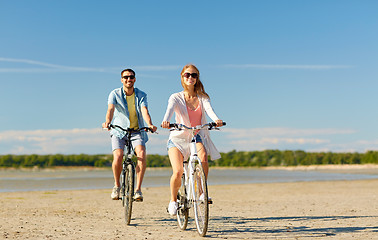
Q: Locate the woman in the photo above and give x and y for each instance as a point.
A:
(190, 107)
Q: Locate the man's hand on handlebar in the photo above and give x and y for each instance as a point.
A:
(108, 126)
(153, 128)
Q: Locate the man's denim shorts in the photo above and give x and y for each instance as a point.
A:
(136, 139)
(170, 144)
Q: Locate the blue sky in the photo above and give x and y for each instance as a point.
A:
(282, 74)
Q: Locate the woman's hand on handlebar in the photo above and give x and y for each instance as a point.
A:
(106, 125)
(219, 123)
(165, 124)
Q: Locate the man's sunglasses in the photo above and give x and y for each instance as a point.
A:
(126, 77)
(194, 75)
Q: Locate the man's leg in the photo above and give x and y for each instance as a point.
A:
(140, 151)
(117, 165)
(117, 169)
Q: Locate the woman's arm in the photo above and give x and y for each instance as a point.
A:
(210, 112)
(168, 113)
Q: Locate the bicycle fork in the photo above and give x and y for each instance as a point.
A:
(124, 179)
(191, 171)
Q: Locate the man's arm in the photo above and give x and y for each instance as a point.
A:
(147, 118)
(109, 116)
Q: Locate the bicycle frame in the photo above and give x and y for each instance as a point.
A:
(189, 170)
(127, 160)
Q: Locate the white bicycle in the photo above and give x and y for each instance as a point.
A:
(193, 190)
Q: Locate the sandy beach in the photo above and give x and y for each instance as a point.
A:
(300, 210)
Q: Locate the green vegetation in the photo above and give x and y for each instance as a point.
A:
(292, 158)
(230, 159)
(54, 160)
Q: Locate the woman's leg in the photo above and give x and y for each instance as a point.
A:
(176, 159)
(201, 151)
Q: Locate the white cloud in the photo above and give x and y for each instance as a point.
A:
(355, 146)
(66, 141)
(51, 141)
(97, 141)
(275, 141)
(264, 132)
(326, 139)
(49, 67)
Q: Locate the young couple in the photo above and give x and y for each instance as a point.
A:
(128, 108)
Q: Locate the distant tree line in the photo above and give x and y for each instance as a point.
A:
(230, 159)
(293, 158)
(54, 160)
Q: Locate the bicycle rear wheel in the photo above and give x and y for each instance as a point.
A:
(129, 192)
(183, 210)
(201, 204)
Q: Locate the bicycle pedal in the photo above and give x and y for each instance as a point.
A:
(138, 200)
(210, 201)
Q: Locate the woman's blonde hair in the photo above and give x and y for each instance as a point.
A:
(198, 87)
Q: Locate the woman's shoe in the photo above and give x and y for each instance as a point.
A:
(172, 208)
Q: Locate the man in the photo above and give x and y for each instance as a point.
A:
(127, 107)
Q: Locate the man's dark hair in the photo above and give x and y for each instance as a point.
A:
(127, 70)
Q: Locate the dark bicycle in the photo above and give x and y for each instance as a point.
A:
(128, 172)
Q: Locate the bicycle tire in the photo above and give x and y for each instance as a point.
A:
(182, 210)
(122, 192)
(201, 204)
(129, 192)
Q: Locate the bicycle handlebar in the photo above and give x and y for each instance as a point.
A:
(210, 126)
(131, 130)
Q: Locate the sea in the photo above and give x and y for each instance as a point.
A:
(83, 178)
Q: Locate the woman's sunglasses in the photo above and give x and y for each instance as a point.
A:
(194, 75)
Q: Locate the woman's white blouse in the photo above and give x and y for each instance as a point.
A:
(181, 139)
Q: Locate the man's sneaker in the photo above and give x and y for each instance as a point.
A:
(172, 208)
(115, 193)
(138, 196)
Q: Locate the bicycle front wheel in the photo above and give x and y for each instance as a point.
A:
(129, 192)
(182, 210)
(201, 204)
